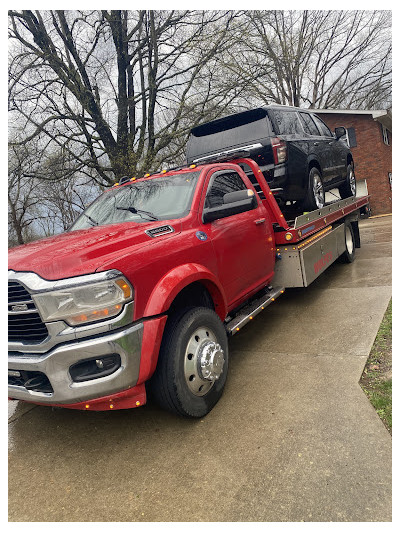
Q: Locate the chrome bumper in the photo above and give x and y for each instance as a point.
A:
(56, 363)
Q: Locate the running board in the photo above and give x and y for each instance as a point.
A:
(247, 313)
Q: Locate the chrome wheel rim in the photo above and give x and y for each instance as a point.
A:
(318, 191)
(349, 241)
(352, 182)
(204, 361)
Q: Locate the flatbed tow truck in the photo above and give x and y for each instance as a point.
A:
(113, 309)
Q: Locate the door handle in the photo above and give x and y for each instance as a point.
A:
(259, 221)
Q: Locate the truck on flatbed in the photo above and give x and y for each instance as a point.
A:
(142, 293)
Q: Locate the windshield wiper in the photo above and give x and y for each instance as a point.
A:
(92, 220)
(139, 212)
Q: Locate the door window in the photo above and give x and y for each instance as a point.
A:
(323, 127)
(222, 183)
(309, 125)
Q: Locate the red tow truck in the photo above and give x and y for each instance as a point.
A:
(142, 293)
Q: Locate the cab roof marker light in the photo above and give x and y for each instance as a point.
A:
(192, 166)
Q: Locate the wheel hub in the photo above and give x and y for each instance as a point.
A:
(210, 361)
(203, 361)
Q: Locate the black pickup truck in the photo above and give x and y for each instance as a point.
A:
(297, 153)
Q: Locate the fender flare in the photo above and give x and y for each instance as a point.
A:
(177, 279)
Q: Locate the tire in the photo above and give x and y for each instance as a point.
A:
(193, 363)
(315, 196)
(348, 255)
(349, 187)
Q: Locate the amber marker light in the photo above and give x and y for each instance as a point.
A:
(146, 175)
(163, 172)
(288, 236)
(125, 288)
(192, 166)
(87, 406)
(137, 403)
(133, 179)
(111, 406)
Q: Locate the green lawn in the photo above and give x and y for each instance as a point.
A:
(376, 380)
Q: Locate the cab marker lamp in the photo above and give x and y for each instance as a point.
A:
(146, 175)
(133, 179)
(86, 302)
(192, 166)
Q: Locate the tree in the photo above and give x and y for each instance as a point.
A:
(114, 88)
(325, 59)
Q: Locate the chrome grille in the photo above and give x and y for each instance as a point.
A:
(24, 322)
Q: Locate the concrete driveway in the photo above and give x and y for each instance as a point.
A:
(293, 439)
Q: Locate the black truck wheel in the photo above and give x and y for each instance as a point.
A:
(315, 196)
(348, 189)
(193, 363)
(348, 255)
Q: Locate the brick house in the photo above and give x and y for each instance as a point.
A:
(369, 135)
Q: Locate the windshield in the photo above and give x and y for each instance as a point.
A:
(163, 198)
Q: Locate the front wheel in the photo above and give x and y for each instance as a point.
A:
(349, 187)
(193, 363)
(315, 196)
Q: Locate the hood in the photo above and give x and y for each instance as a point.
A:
(81, 252)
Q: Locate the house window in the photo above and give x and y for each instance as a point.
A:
(385, 135)
(351, 137)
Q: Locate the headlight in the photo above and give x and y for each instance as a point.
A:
(85, 303)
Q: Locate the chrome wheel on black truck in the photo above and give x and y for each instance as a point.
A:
(315, 196)
(349, 188)
(193, 363)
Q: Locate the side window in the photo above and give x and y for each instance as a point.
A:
(288, 122)
(323, 127)
(221, 183)
(308, 124)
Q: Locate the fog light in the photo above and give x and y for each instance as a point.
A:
(88, 369)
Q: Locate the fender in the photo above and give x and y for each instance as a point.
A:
(177, 279)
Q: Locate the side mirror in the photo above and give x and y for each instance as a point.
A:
(234, 203)
(340, 132)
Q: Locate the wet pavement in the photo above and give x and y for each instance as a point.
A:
(293, 439)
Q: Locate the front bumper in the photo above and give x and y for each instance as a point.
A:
(55, 364)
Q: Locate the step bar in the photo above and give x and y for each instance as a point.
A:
(251, 310)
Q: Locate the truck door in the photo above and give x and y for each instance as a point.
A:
(243, 243)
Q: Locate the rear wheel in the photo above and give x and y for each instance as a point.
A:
(348, 189)
(348, 255)
(193, 363)
(315, 197)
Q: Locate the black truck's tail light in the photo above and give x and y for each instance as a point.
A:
(279, 150)
(95, 368)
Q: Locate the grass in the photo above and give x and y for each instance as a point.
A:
(376, 379)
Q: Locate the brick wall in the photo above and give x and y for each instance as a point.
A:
(372, 158)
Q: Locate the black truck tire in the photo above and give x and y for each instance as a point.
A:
(193, 363)
(315, 195)
(349, 187)
(348, 255)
